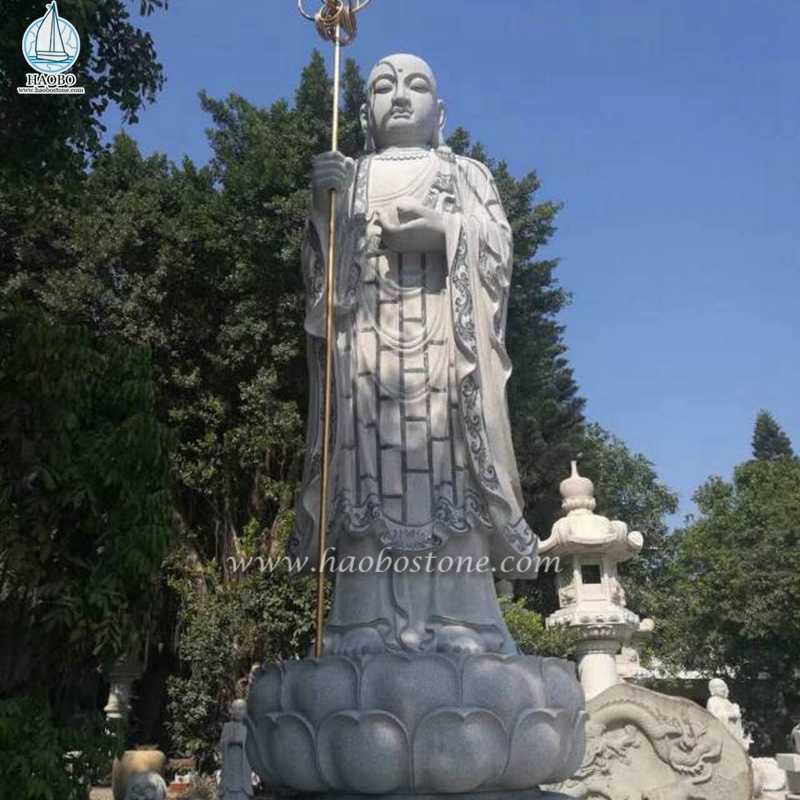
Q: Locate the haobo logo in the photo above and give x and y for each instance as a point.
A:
(51, 45)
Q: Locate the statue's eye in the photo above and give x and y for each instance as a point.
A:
(420, 85)
(383, 86)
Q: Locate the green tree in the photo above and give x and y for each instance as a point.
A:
(532, 635)
(41, 760)
(84, 510)
(769, 439)
(226, 625)
(84, 527)
(730, 601)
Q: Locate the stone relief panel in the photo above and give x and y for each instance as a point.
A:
(642, 745)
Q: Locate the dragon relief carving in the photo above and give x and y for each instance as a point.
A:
(641, 748)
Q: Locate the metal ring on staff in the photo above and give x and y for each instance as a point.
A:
(336, 19)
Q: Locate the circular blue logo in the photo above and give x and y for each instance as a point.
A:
(51, 44)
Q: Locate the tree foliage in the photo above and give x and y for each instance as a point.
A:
(728, 604)
(227, 626)
(42, 760)
(769, 439)
(528, 629)
(84, 510)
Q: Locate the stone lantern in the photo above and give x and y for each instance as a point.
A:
(124, 673)
(590, 595)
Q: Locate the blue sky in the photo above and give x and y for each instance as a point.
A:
(670, 130)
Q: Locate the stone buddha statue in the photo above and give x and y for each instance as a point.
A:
(425, 497)
(420, 690)
(725, 710)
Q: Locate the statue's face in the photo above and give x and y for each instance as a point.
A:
(238, 709)
(403, 107)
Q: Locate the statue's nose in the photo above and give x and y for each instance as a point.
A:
(401, 96)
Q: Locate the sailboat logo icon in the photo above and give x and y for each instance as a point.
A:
(51, 44)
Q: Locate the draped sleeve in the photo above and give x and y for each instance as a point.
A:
(480, 258)
(350, 230)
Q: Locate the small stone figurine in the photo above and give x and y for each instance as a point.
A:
(727, 712)
(236, 782)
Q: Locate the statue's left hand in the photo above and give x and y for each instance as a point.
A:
(412, 228)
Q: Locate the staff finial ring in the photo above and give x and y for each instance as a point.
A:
(336, 17)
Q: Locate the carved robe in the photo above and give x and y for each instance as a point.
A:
(422, 457)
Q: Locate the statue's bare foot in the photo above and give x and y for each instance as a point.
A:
(360, 642)
(459, 639)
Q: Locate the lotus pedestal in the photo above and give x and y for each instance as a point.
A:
(416, 726)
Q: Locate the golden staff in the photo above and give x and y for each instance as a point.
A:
(336, 22)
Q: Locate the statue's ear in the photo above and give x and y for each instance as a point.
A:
(438, 137)
(366, 127)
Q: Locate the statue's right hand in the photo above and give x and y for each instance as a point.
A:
(330, 171)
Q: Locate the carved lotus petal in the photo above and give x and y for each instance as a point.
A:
(288, 751)
(505, 685)
(563, 690)
(316, 688)
(255, 745)
(409, 688)
(458, 750)
(264, 696)
(537, 748)
(427, 723)
(578, 739)
(364, 753)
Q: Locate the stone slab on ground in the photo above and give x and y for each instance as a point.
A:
(790, 764)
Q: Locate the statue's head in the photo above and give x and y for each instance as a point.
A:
(718, 688)
(238, 710)
(403, 108)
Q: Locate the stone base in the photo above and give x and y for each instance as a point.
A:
(769, 779)
(412, 726)
(790, 764)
